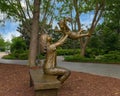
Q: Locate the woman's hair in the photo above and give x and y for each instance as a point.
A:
(43, 42)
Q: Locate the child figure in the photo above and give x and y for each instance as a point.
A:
(50, 66)
(64, 28)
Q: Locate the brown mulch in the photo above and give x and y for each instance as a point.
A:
(14, 81)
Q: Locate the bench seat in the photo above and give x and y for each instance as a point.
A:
(44, 85)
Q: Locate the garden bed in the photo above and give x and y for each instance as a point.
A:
(14, 81)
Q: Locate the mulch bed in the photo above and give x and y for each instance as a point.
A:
(14, 81)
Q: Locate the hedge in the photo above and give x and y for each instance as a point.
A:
(111, 57)
(64, 52)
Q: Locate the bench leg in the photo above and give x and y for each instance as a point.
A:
(46, 92)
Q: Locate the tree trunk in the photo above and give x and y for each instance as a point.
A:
(82, 53)
(82, 46)
(77, 14)
(98, 14)
(34, 34)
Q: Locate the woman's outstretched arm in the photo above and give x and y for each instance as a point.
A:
(61, 40)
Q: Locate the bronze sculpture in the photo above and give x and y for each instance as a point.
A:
(64, 28)
(50, 66)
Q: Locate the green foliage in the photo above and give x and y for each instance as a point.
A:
(93, 52)
(41, 56)
(23, 55)
(19, 56)
(18, 45)
(112, 57)
(112, 12)
(18, 49)
(106, 38)
(111, 40)
(111, 26)
(10, 56)
(67, 51)
(77, 58)
(95, 42)
(2, 44)
(71, 44)
(7, 45)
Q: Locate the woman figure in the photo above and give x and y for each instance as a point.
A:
(50, 66)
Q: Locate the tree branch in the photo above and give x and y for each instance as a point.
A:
(28, 7)
(77, 14)
(100, 14)
(14, 7)
(21, 9)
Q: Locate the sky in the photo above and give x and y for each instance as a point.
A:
(9, 30)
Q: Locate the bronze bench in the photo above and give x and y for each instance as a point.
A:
(44, 85)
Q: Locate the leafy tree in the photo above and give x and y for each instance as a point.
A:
(112, 23)
(95, 42)
(111, 15)
(24, 14)
(7, 45)
(108, 32)
(110, 39)
(18, 45)
(14, 9)
(22, 11)
(76, 8)
(2, 43)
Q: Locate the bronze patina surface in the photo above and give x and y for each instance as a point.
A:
(73, 35)
(50, 67)
(44, 85)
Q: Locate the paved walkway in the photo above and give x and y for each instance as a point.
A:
(2, 54)
(111, 70)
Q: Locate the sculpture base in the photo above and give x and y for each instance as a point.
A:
(44, 85)
(46, 92)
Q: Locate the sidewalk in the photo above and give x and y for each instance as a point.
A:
(111, 70)
(2, 54)
(5, 61)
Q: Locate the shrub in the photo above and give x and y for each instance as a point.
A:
(18, 45)
(92, 52)
(20, 56)
(77, 58)
(23, 55)
(68, 51)
(10, 56)
(114, 52)
(112, 57)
